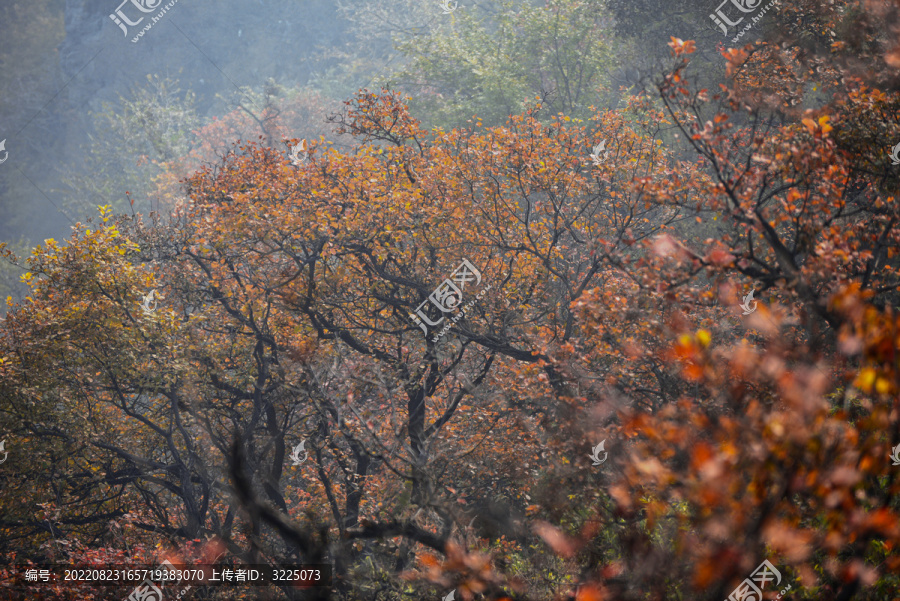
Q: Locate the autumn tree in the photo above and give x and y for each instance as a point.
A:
(298, 328)
(777, 445)
(446, 441)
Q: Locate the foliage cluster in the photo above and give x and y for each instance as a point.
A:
(611, 314)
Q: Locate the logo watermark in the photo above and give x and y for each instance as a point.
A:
(144, 6)
(723, 22)
(451, 596)
(299, 153)
(5, 152)
(149, 304)
(895, 455)
(148, 591)
(3, 450)
(751, 588)
(295, 455)
(894, 154)
(448, 299)
(595, 453)
(599, 153)
(746, 304)
(447, 8)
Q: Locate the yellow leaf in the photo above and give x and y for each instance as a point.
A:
(703, 337)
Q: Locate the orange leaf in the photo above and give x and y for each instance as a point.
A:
(588, 592)
(810, 125)
(555, 538)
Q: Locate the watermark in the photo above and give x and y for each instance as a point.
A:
(143, 6)
(751, 588)
(149, 304)
(722, 20)
(5, 152)
(599, 153)
(3, 450)
(595, 453)
(894, 154)
(299, 153)
(295, 455)
(148, 591)
(451, 596)
(448, 299)
(746, 304)
(895, 454)
(447, 8)
(33, 575)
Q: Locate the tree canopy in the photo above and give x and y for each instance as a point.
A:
(451, 319)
